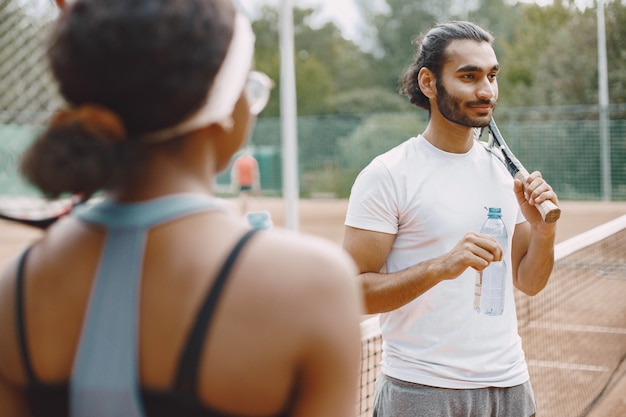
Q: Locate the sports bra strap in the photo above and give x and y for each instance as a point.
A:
(187, 376)
(105, 373)
(19, 318)
(143, 215)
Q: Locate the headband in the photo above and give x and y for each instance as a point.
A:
(225, 90)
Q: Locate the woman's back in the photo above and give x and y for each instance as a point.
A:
(268, 331)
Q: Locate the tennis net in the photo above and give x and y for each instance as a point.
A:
(573, 332)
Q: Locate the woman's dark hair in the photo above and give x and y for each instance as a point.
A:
(431, 54)
(149, 63)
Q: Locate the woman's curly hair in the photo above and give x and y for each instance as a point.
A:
(148, 64)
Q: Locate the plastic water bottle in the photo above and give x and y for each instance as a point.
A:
(490, 283)
(261, 220)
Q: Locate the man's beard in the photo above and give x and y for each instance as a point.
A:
(450, 108)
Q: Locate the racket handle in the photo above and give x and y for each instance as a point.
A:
(549, 211)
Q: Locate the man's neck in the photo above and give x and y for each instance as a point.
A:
(448, 136)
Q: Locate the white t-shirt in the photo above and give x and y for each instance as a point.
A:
(430, 199)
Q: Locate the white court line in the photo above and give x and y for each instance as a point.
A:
(370, 328)
(576, 327)
(572, 328)
(567, 366)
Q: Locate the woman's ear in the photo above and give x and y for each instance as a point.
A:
(227, 124)
(427, 82)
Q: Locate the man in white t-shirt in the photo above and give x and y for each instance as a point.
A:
(412, 227)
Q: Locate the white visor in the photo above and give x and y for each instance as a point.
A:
(226, 88)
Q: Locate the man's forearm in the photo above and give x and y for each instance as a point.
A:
(536, 266)
(387, 292)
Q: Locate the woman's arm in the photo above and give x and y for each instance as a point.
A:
(330, 360)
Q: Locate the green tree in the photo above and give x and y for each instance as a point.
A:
(327, 64)
(569, 79)
(394, 32)
(499, 18)
(314, 85)
(267, 53)
(375, 135)
(615, 16)
(535, 30)
(552, 60)
(374, 99)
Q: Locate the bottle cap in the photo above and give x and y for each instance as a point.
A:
(261, 220)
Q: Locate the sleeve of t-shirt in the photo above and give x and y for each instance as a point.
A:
(373, 202)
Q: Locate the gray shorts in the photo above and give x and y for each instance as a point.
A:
(396, 398)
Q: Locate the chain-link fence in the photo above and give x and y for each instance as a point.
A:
(563, 143)
(27, 93)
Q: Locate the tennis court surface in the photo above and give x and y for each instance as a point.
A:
(574, 332)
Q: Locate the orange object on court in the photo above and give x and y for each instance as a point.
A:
(246, 168)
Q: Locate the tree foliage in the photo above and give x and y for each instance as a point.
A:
(615, 17)
(326, 64)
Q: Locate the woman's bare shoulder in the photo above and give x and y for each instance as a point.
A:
(306, 253)
(294, 267)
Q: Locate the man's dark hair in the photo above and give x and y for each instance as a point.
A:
(431, 54)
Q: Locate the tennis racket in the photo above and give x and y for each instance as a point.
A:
(36, 212)
(549, 211)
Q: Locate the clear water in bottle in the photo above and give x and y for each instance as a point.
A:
(491, 282)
